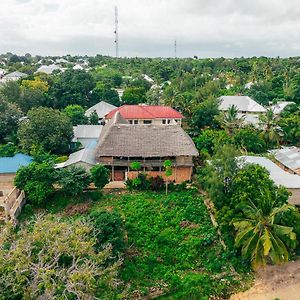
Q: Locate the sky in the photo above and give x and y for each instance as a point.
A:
(148, 28)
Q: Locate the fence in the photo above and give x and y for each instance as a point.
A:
(13, 204)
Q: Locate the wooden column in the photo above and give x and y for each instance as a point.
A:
(112, 170)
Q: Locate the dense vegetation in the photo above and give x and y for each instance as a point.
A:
(166, 242)
(158, 243)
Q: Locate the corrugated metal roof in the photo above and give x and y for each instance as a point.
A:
(278, 175)
(15, 74)
(289, 157)
(87, 131)
(146, 112)
(12, 164)
(243, 103)
(84, 155)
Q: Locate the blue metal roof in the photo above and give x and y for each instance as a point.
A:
(12, 164)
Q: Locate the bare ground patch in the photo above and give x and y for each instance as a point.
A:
(281, 282)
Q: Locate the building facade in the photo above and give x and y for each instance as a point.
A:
(122, 143)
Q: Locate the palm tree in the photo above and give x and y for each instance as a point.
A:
(272, 133)
(260, 236)
(231, 119)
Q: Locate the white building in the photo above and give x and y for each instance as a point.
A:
(248, 109)
(279, 176)
(280, 106)
(78, 67)
(148, 78)
(102, 108)
(48, 69)
(14, 76)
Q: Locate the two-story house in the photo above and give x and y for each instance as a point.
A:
(122, 143)
(147, 114)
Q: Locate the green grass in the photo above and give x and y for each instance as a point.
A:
(172, 247)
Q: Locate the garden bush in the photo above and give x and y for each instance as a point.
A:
(110, 230)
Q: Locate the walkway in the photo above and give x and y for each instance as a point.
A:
(115, 185)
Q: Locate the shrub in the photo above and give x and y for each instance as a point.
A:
(110, 230)
(135, 165)
(73, 180)
(37, 181)
(141, 183)
(8, 150)
(250, 140)
(100, 176)
(156, 183)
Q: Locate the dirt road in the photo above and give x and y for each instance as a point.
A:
(281, 282)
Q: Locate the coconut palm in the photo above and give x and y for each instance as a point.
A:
(231, 119)
(272, 133)
(260, 236)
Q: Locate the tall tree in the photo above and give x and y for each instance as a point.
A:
(48, 128)
(272, 133)
(73, 87)
(9, 116)
(231, 120)
(76, 114)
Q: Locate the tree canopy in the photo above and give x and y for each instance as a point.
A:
(48, 128)
(54, 259)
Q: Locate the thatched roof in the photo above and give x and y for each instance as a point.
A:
(125, 140)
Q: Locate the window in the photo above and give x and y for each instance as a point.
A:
(135, 121)
(164, 121)
(147, 121)
(169, 121)
(130, 121)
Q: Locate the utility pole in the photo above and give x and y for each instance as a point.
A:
(116, 32)
(175, 49)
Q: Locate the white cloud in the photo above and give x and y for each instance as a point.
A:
(148, 28)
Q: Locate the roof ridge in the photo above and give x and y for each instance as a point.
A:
(147, 111)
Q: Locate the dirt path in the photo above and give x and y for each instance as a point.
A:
(281, 282)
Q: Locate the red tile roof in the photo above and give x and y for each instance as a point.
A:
(146, 112)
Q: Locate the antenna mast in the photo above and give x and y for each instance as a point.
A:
(175, 48)
(116, 32)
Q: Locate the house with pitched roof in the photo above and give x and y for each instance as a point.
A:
(122, 143)
(14, 76)
(10, 165)
(280, 177)
(147, 114)
(48, 69)
(280, 106)
(101, 109)
(248, 109)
